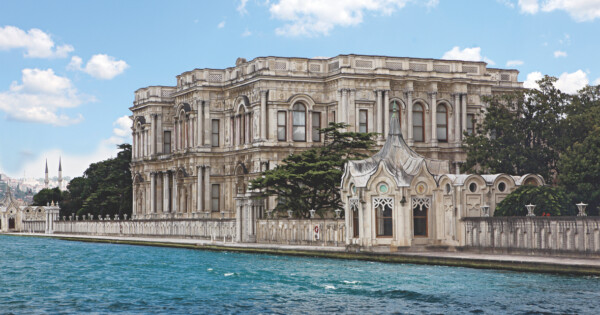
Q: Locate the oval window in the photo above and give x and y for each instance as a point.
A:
(448, 188)
(383, 188)
(473, 187)
(502, 187)
(353, 189)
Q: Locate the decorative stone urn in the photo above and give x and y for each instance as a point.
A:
(269, 214)
(312, 213)
(290, 213)
(485, 211)
(530, 208)
(581, 206)
(338, 213)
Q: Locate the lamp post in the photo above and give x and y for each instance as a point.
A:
(581, 206)
(485, 209)
(530, 208)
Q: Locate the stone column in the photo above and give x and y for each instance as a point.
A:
(386, 112)
(409, 117)
(165, 191)
(263, 114)
(434, 139)
(199, 201)
(133, 144)
(207, 195)
(464, 112)
(343, 116)
(379, 118)
(153, 192)
(159, 134)
(152, 134)
(133, 200)
(308, 122)
(206, 123)
(200, 123)
(175, 193)
(457, 117)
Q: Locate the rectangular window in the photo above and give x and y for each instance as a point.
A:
(215, 193)
(167, 142)
(215, 133)
(316, 125)
(362, 121)
(281, 126)
(385, 225)
(470, 124)
(418, 128)
(232, 136)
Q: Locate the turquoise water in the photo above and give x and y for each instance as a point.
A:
(53, 276)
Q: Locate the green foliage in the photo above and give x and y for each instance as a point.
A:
(521, 133)
(580, 171)
(309, 180)
(47, 196)
(105, 188)
(547, 200)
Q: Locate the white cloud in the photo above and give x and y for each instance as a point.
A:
(221, 25)
(579, 10)
(315, 17)
(40, 98)
(99, 66)
(246, 33)
(75, 164)
(572, 82)
(514, 63)
(558, 54)
(467, 54)
(242, 7)
(597, 82)
(36, 43)
(567, 82)
(507, 3)
(529, 6)
(530, 82)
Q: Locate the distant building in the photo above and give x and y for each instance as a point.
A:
(196, 145)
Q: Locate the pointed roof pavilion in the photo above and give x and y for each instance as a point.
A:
(402, 162)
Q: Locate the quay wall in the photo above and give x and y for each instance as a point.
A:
(213, 229)
(328, 232)
(557, 236)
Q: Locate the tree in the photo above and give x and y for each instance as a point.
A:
(580, 171)
(521, 133)
(550, 200)
(309, 180)
(47, 196)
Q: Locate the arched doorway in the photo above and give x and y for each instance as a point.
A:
(420, 209)
(11, 223)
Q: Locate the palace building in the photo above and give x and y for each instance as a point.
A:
(196, 145)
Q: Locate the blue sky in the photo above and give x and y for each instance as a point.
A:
(68, 69)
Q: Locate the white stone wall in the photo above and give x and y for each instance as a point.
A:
(38, 226)
(331, 232)
(220, 230)
(558, 235)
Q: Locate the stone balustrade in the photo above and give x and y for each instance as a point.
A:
(331, 232)
(534, 235)
(213, 229)
(34, 226)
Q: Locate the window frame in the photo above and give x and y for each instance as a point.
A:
(213, 188)
(422, 126)
(365, 123)
(421, 217)
(213, 134)
(294, 126)
(470, 121)
(282, 125)
(165, 143)
(389, 218)
(316, 135)
(445, 125)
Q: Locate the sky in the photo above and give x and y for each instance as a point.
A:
(69, 69)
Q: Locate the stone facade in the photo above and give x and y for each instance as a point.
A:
(196, 145)
(15, 217)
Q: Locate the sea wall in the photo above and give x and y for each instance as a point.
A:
(327, 232)
(213, 229)
(534, 235)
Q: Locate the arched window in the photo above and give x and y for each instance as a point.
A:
(418, 123)
(442, 123)
(299, 122)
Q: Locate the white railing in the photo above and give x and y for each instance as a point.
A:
(329, 232)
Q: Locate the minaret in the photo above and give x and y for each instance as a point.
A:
(59, 174)
(46, 181)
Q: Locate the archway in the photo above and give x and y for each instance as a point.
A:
(11, 223)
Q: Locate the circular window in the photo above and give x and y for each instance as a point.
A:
(39, 210)
(27, 210)
(473, 187)
(448, 188)
(383, 188)
(502, 187)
